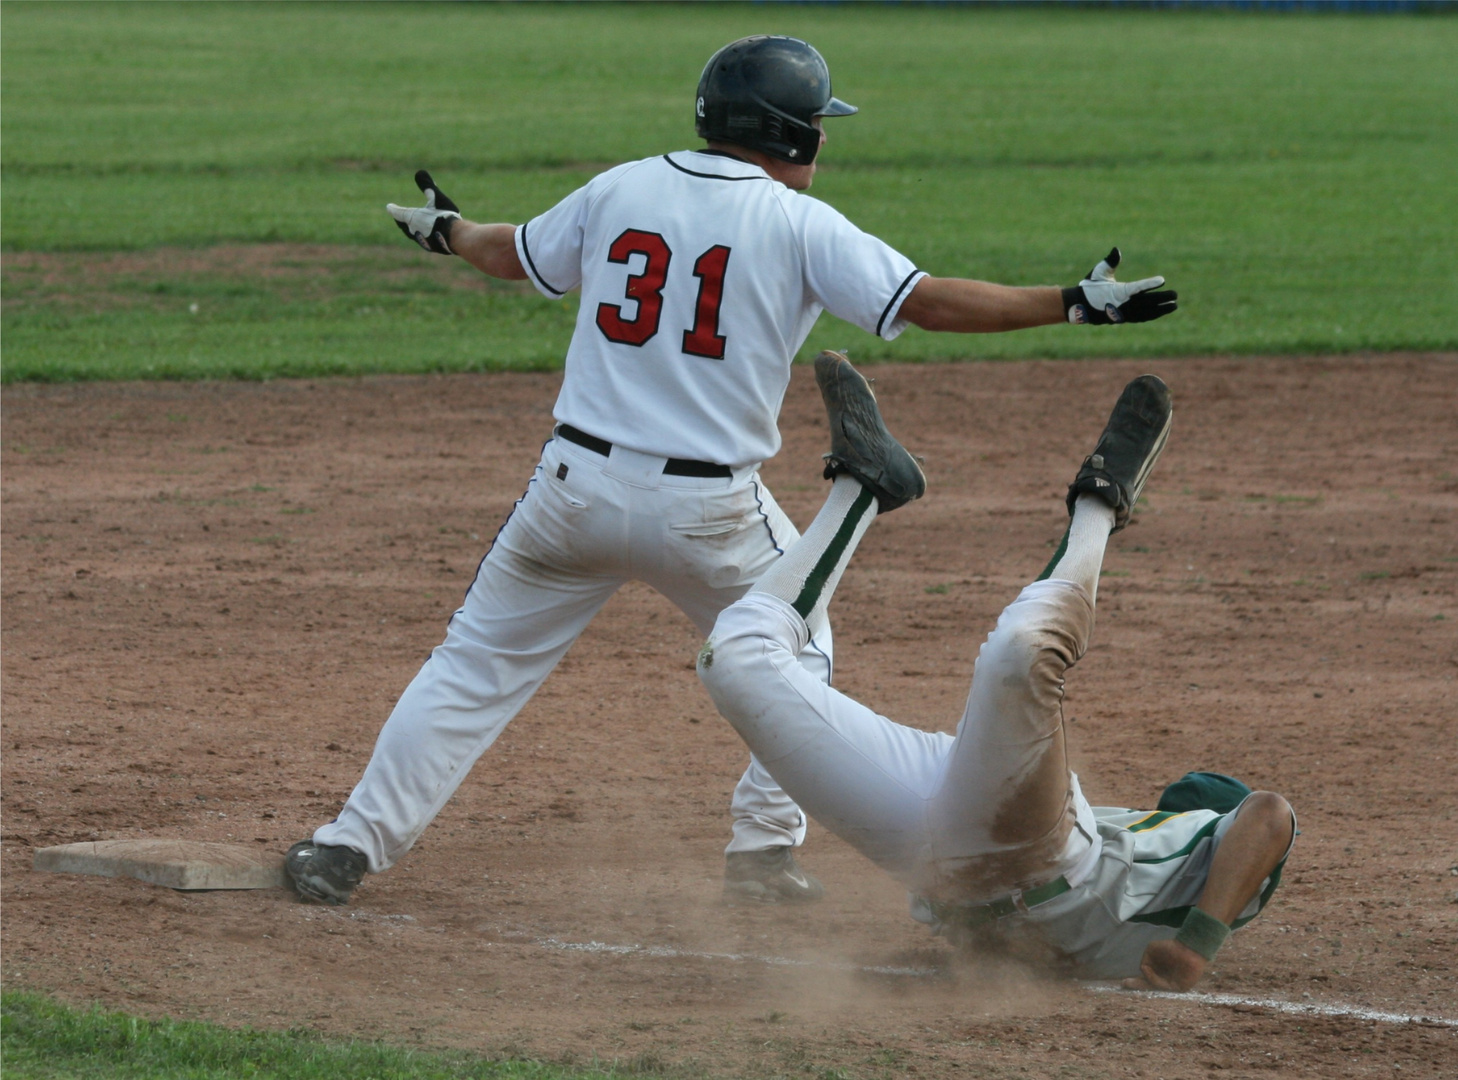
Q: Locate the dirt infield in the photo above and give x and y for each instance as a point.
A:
(213, 593)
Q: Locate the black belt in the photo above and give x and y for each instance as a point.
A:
(675, 466)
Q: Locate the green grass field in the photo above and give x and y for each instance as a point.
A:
(1291, 175)
(43, 1040)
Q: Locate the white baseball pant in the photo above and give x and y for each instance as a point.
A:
(586, 525)
(958, 819)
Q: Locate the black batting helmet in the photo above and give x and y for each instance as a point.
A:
(762, 92)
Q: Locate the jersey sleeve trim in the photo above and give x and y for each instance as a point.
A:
(531, 267)
(709, 176)
(889, 315)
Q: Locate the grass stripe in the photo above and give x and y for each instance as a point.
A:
(45, 1040)
(1290, 175)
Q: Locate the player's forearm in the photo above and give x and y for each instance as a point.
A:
(491, 249)
(1257, 841)
(959, 305)
(1248, 853)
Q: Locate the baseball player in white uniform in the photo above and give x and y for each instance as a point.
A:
(701, 273)
(987, 828)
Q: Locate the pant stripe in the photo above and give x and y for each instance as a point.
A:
(826, 564)
(1057, 555)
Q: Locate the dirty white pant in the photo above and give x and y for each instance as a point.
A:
(963, 818)
(586, 525)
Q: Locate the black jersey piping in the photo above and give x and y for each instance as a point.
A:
(532, 264)
(891, 304)
(709, 176)
(723, 153)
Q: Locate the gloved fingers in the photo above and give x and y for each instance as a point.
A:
(1104, 271)
(1148, 306)
(435, 198)
(408, 219)
(1143, 284)
(413, 235)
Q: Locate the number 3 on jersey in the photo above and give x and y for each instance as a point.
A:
(701, 339)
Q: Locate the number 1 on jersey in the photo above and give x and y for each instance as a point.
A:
(703, 338)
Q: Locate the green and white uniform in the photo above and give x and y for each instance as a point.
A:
(1151, 870)
(987, 829)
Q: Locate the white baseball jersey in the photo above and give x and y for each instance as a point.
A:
(701, 277)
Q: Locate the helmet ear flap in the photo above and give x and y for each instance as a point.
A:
(802, 142)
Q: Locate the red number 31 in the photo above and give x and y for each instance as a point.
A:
(703, 338)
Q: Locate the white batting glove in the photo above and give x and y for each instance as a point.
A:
(428, 225)
(1099, 300)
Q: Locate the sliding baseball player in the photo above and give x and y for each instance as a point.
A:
(987, 828)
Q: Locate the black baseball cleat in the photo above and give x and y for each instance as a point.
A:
(327, 873)
(770, 876)
(1127, 450)
(859, 442)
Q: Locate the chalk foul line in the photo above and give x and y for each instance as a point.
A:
(666, 953)
(1295, 1008)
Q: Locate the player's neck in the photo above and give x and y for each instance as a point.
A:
(735, 152)
(794, 177)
